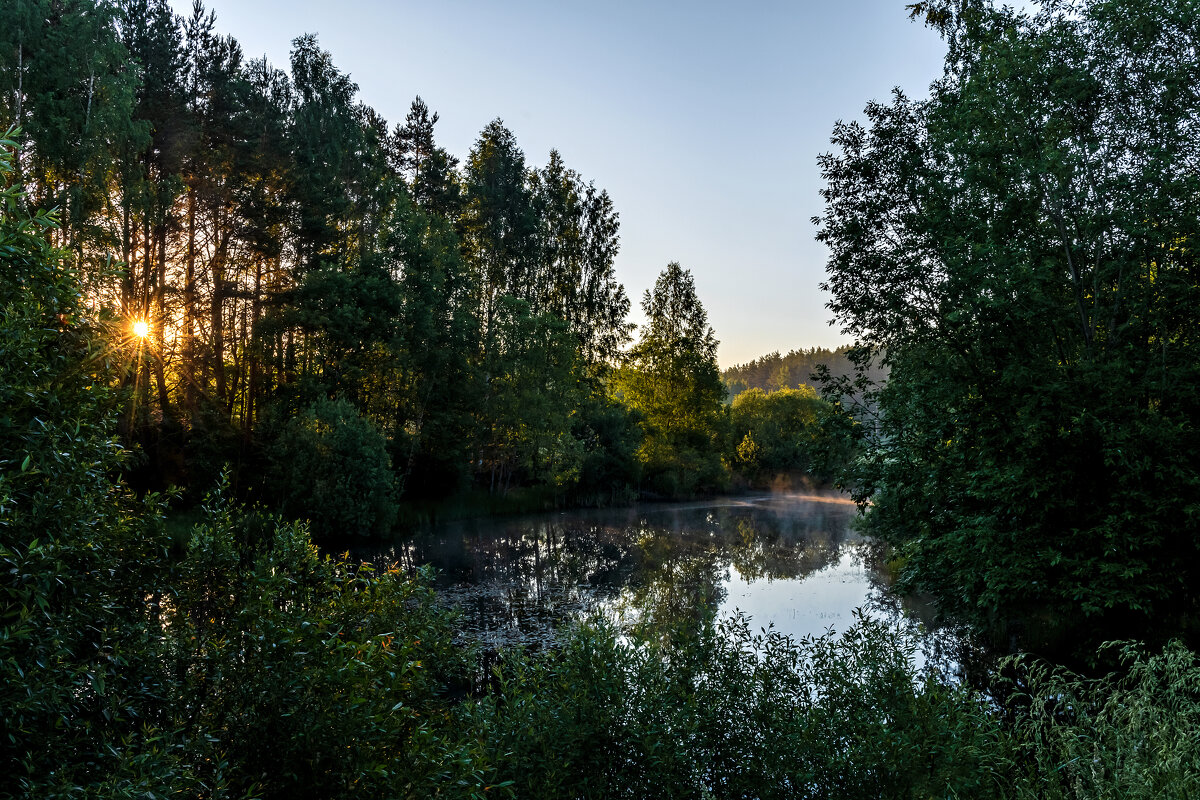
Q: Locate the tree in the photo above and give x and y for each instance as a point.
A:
(66, 81)
(1017, 247)
(437, 334)
(339, 186)
(238, 662)
(671, 378)
(533, 392)
(781, 432)
(151, 182)
(428, 170)
(578, 241)
(331, 467)
(499, 225)
(775, 371)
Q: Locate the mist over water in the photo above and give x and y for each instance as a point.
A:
(791, 561)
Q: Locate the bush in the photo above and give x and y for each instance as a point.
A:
(82, 562)
(731, 714)
(1133, 734)
(610, 433)
(783, 432)
(308, 677)
(330, 466)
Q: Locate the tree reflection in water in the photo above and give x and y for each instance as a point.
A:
(659, 570)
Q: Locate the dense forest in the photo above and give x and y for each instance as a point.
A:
(242, 282)
(773, 371)
(333, 305)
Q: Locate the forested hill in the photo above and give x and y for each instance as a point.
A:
(774, 371)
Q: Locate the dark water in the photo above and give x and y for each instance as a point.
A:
(791, 561)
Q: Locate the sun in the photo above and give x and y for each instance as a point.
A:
(141, 328)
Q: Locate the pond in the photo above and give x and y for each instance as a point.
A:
(787, 560)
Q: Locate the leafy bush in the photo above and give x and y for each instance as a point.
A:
(301, 676)
(330, 466)
(1133, 734)
(782, 432)
(731, 714)
(610, 433)
(82, 562)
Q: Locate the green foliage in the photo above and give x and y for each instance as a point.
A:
(346, 312)
(783, 432)
(731, 714)
(499, 224)
(81, 561)
(670, 377)
(533, 390)
(429, 171)
(65, 80)
(726, 713)
(610, 434)
(436, 387)
(330, 466)
(1132, 734)
(284, 245)
(301, 676)
(338, 187)
(577, 239)
(1017, 248)
(250, 666)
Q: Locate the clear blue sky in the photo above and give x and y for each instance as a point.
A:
(703, 120)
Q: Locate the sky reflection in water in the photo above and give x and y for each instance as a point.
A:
(788, 560)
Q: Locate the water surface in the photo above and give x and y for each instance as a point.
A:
(788, 561)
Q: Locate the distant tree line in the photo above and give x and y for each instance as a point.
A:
(335, 305)
(798, 368)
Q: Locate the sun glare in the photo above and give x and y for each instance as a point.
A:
(141, 328)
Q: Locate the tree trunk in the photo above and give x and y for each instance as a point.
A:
(160, 322)
(217, 318)
(186, 342)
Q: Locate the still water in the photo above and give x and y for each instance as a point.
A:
(788, 561)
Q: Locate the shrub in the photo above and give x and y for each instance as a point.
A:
(82, 562)
(731, 714)
(1132, 734)
(330, 466)
(782, 432)
(310, 677)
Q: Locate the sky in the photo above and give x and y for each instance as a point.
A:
(702, 120)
